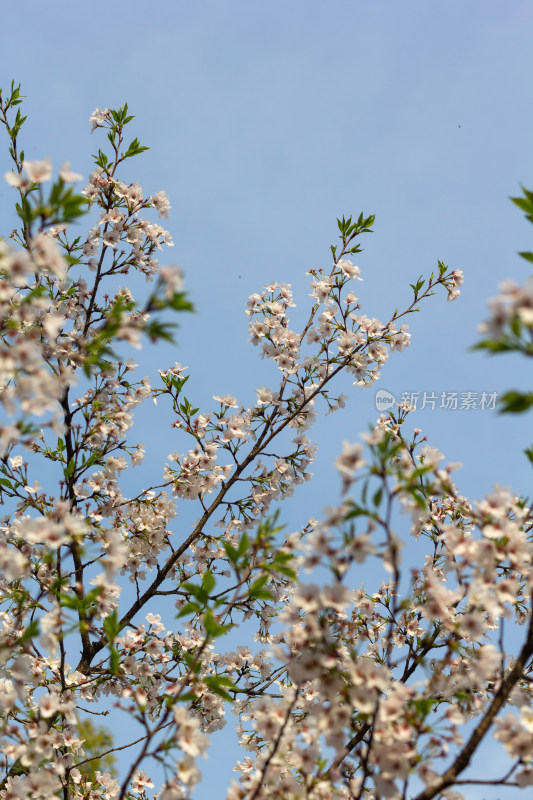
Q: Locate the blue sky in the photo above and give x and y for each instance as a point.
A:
(266, 121)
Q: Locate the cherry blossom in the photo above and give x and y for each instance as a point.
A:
(345, 689)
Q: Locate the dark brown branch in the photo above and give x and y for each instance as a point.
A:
(449, 777)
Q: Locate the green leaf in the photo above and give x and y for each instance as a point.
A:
(134, 149)
(516, 325)
(424, 705)
(30, 633)
(529, 453)
(69, 469)
(287, 571)
(212, 627)
(256, 590)
(114, 660)
(196, 591)
(418, 285)
(179, 302)
(101, 159)
(179, 383)
(231, 552)
(192, 662)
(356, 511)
(189, 608)
(417, 496)
(69, 601)
(93, 458)
(160, 330)
(244, 545)
(525, 203)
(282, 558)
(217, 683)
(112, 625)
(515, 402)
(494, 346)
(208, 582)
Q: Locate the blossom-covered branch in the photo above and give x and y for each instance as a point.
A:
(109, 601)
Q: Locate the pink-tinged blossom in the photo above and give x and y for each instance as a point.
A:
(372, 327)
(48, 705)
(335, 596)
(98, 117)
(47, 256)
(399, 340)
(172, 279)
(66, 174)
(18, 181)
(524, 777)
(188, 735)
(226, 400)
(351, 459)
(38, 171)
(42, 531)
(264, 396)
(360, 547)
(349, 269)
(473, 626)
(346, 342)
(17, 266)
(457, 277)
(161, 203)
(526, 719)
(307, 597)
(111, 237)
(140, 782)
(400, 665)
(430, 456)
(321, 289)
(134, 195)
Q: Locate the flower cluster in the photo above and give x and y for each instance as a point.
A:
(343, 690)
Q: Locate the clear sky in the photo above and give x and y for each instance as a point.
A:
(266, 120)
